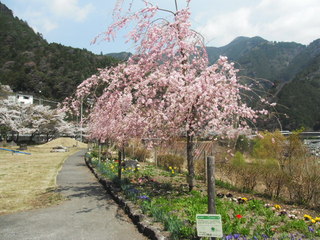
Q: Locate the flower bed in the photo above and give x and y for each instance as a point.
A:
(163, 195)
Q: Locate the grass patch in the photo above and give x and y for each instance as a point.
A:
(29, 181)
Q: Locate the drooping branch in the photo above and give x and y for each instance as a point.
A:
(167, 88)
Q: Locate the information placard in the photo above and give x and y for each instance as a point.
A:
(209, 225)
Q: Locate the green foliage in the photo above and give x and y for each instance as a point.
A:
(293, 100)
(295, 225)
(238, 160)
(244, 144)
(270, 145)
(149, 170)
(94, 154)
(4, 130)
(299, 100)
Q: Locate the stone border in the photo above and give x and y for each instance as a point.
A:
(142, 222)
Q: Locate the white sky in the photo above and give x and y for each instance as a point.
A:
(76, 22)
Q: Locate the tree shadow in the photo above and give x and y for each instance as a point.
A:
(83, 190)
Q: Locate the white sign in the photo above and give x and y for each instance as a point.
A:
(209, 225)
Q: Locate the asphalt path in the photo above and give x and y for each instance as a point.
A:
(88, 213)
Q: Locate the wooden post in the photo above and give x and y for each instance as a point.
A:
(123, 154)
(205, 166)
(155, 156)
(99, 153)
(211, 186)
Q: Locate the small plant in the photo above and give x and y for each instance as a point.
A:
(148, 170)
(176, 209)
(169, 160)
(172, 170)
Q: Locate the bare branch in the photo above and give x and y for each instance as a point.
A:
(166, 10)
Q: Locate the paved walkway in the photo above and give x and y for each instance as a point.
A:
(88, 214)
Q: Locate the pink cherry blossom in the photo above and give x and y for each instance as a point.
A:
(167, 88)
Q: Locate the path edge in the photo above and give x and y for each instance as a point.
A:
(141, 221)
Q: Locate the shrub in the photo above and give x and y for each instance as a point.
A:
(199, 166)
(244, 144)
(94, 153)
(244, 175)
(272, 176)
(271, 145)
(170, 160)
(248, 176)
(304, 181)
(141, 154)
(238, 160)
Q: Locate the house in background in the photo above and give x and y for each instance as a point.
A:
(21, 98)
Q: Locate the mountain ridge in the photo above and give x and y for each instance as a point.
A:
(288, 71)
(29, 63)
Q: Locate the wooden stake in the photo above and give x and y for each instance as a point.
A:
(211, 186)
(205, 167)
(99, 154)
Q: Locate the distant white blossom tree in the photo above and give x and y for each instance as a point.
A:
(33, 119)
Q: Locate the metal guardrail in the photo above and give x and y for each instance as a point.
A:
(302, 134)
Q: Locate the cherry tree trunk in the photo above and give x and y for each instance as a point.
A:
(190, 177)
(121, 159)
(120, 163)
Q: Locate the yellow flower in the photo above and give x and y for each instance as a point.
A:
(244, 199)
(172, 171)
(307, 217)
(170, 167)
(277, 206)
(313, 221)
(317, 219)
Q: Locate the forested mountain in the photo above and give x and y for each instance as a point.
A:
(28, 63)
(289, 71)
(300, 98)
(121, 56)
(259, 58)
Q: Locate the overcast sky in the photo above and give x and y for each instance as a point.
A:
(76, 22)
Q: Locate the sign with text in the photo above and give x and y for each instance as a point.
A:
(209, 225)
